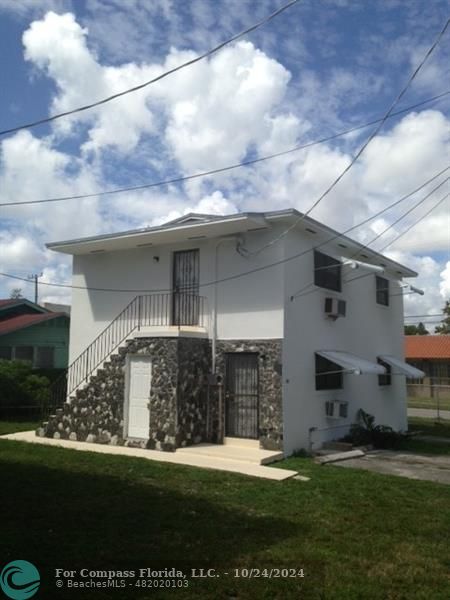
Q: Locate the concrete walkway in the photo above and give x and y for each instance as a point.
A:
(246, 461)
(428, 413)
(403, 464)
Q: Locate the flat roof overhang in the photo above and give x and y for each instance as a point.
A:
(156, 236)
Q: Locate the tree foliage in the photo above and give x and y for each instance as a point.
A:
(416, 329)
(444, 327)
(19, 386)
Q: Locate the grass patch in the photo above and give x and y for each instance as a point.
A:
(429, 426)
(15, 426)
(429, 403)
(355, 534)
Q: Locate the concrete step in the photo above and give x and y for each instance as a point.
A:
(238, 453)
(180, 458)
(240, 442)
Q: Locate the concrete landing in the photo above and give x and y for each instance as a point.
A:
(242, 453)
(185, 456)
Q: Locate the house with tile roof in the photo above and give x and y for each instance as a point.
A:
(431, 354)
(267, 329)
(35, 334)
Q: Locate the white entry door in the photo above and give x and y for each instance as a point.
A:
(140, 375)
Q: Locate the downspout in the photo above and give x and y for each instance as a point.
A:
(215, 299)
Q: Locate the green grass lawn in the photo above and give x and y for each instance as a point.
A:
(14, 426)
(429, 426)
(357, 535)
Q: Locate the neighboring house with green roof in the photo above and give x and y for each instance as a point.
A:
(33, 333)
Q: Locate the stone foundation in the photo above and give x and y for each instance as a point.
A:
(183, 410)
(177, 397)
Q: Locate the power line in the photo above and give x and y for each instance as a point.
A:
(300, 292)
(415, 222)
(155, 79)
(420, 316)
(438, 203)
(303, 291)
(228, 167)
(254, 270)
(366, 143)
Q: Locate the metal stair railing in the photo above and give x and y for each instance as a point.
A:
(143, 311)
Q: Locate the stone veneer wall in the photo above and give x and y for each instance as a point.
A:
(194, 363)
(177, 397)
(270, 387)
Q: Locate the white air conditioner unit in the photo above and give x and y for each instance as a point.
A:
(335, 308)
(336, 409)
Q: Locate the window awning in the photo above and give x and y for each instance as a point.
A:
(403, 368)
(353, 364)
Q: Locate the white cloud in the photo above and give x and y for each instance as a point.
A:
(214, 204)
(237, 104)
(57, 45)
(444, 286)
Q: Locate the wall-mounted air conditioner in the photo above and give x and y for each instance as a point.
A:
(335, 308)
(336, 409)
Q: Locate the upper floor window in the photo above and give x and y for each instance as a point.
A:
(327, 272)
(385, 379)
(328, 374)
(382, 293)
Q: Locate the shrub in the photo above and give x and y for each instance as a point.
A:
(19, 386)
(365, 432)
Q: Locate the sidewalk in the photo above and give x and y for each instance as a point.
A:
(247, 464)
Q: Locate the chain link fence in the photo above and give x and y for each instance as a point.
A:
(429, 398)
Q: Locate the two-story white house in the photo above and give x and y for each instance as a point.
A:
(252, 325)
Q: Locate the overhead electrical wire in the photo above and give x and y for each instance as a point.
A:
(249, 272)
(303, 291)
(420, 316)
(226, 168)
(155, 79)
(364, 146)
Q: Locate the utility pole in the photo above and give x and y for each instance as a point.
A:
(35, 277)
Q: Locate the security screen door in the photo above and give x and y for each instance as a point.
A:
(241, 395)
(185, 303)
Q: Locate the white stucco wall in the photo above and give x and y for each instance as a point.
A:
(368, 330)
(248, 307)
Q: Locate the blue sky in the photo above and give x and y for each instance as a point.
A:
(315, 70)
